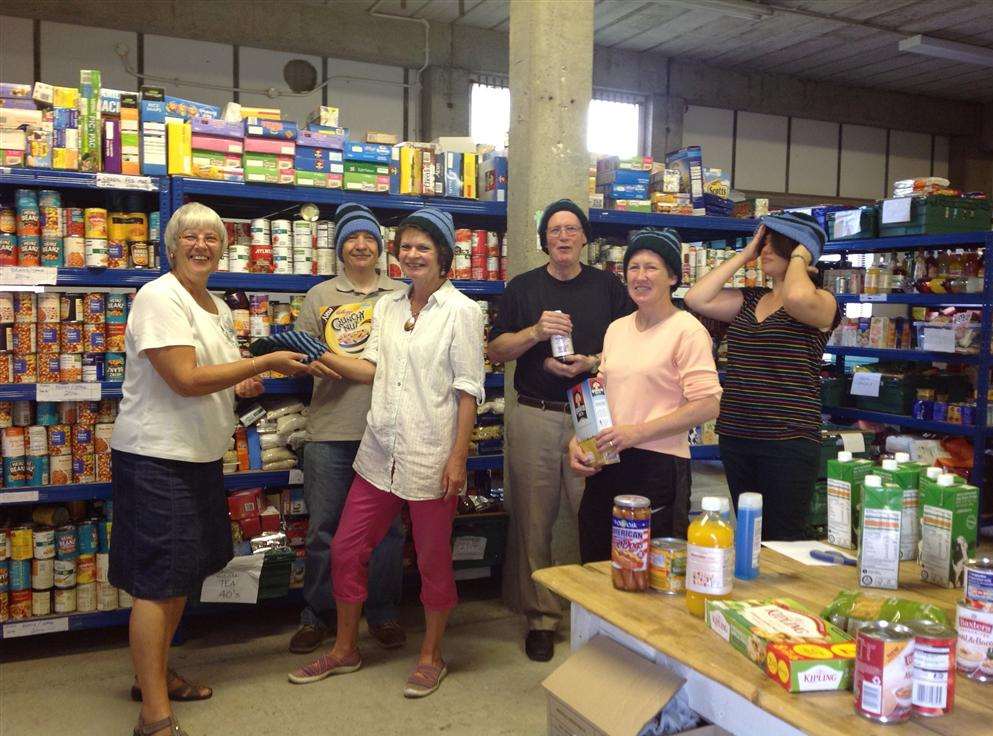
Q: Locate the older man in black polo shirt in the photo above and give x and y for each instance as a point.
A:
(562, 298)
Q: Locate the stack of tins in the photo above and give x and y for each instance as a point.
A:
(479, 256)
(279, 246)
(39, 231)
(47, 443)
(55, 566)
(62, 338)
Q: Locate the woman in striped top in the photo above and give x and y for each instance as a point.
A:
(770, 419)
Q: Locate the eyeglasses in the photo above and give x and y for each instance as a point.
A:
(191, 239)
(569, 230)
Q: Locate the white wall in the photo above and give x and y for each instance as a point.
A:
(365, 105)
(762, 145)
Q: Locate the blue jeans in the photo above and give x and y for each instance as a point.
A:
(327, 476)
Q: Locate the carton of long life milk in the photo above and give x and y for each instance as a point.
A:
(844, 493)
(949, 526)
(590, 416)
(879, 537)
(906, 476)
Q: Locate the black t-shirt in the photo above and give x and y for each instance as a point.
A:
(592, 300)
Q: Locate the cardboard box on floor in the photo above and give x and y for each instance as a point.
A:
(605, 689)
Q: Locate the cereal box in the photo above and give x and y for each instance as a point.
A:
(591, 415)
(797, 649)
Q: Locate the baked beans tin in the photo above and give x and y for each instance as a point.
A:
(884, 663)
(667, 565)
(6, 307)
(72, 337)
(59, 440)
(36, 470)
(25, 306)
(37, 440)
(94, 338)
(50, 339)
(25, 339)
(107, 411)
(15, 471)
(83, 468)
(114, 338)
(6, 414)
(102, 432)
(103, 468)
(4, 606)
(20, 605)
(68, 412)
(8, 249)
(75, 221)
(934, 668)
(87, 412)
(86, 597)
(74, 251)
(20, 574)
(70, 367)
(64, 600)
(6, 371)
(65, 543)
(978, 588)
(44, 543)
(26, 368)
(49, 307)
(95, 308)
(42, 574)
(21, 413)
(117, 308)
(118, 254)
(60, 469)
(974, 653)
(29, 250)
(51, 251)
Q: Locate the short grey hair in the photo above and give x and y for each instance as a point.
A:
(193, 216)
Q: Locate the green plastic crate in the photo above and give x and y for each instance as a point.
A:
(817, 514)
(274, 581)
(940, 215)
(868, 224)
(832, 391)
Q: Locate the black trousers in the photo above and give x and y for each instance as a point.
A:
(783, 471)
(663, 479)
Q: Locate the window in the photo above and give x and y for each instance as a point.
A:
(612, 127)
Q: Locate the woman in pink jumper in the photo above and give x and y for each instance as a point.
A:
(661, 381)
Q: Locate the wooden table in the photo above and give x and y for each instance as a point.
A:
(663, 624)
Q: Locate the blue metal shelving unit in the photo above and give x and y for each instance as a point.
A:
(691, 227)
(28, 391)
(979, 433)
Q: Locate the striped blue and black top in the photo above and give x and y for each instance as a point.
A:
(772, 388)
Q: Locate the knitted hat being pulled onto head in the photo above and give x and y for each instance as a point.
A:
(440, 228)
(562, 205)
(799, 227)
(664, 242)
(352, 218)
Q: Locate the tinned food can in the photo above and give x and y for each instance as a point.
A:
(934, 668)
(883, 680)
(631, 524)
(667, 565)
(974, 653)
(978, 588)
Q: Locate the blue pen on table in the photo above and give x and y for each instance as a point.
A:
(835, 558)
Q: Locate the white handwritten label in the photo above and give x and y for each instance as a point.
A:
(854, 442)
(238, 582)
(31, 628)
(866, 384)
(18, 497)
(123, 181)
(68, 392)
(469, 548)
(296, 477)
(938, 339)
(28, 276)
(847, 223)
(896, 210)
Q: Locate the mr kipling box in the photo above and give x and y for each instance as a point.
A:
(879, 536)
(906, 476)
(797, 649)
(949, 526)
(590, 416)
(844, 493)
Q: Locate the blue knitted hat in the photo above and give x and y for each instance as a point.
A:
(800, 227)
(664, 242)
(352, 218)
(440, 228)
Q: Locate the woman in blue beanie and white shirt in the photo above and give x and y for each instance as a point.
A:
(424, 359)
(770, 419)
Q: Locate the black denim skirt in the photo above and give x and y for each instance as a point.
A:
(170, 528)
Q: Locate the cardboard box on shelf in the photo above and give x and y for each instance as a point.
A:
(605, 689)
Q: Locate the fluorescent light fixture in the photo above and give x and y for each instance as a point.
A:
(951, 50)
(731, 8)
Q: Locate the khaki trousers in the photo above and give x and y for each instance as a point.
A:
(538, 466)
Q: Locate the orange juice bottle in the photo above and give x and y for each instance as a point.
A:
(709, 557)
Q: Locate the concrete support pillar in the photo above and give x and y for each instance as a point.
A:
(444, 102)
(551, 82)
(667, 125)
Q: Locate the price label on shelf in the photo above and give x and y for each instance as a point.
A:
(938, 340)
(122, 181)
(67, 392)
(866, 384)
(872, 297)
(30, 628)
(18, 497)
(28, 276)
(296, 477)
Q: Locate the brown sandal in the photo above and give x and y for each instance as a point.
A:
(148, 729)
(184, 691)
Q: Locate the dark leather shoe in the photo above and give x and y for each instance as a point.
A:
(307, 639)
(388, 634)
(540, 645)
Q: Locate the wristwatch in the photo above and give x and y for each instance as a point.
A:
(596, 365)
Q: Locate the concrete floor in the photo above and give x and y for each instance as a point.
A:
(78, 683)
